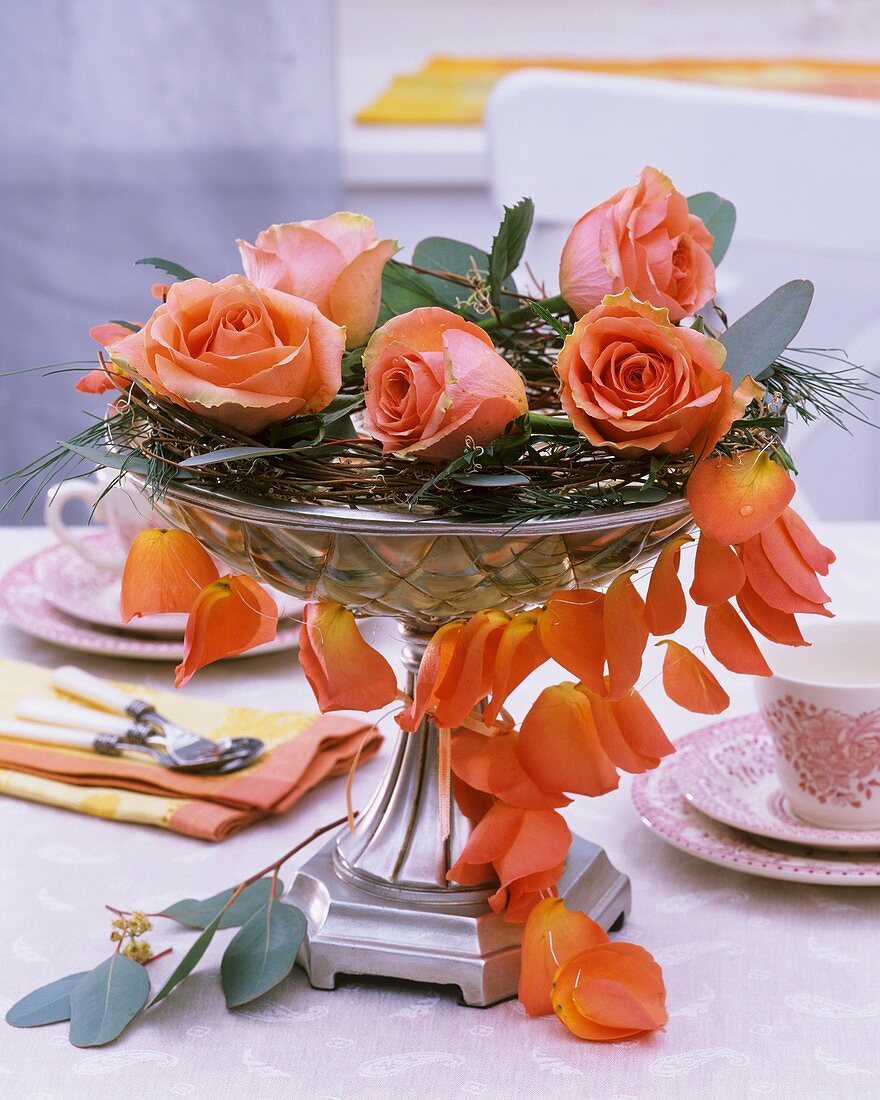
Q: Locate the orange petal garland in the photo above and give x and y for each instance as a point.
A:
(731, 643)
(559, 744)
(770, 584)
(164, 572)
(230, 615)
(467, 678)
(572, 630)
(665, 605)
(610, 991)
(734, 498)
(432, 669)
(718, 572)
(626, 634)
(783, 555)
(520, 651)
(688, 682)
(491, 764)
(817, 556)
(527, 849)
(344, 671)
(629, 733)
(551, 936)
(779, 626)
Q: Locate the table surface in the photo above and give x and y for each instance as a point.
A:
(772, 986)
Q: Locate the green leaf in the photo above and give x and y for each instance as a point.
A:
(442, 254)
(47, 1005)
(199, 914)
(126, 324)
(233, 454)
(106, 1000)
(719, 217)
(561, 330)
(759, 337)
(189, 961)
(169, 267)
(492, 481)
(508, 245)
(404, 289)
(644, 495)
(262, 952)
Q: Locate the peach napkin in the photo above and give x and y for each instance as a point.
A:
(302, 750)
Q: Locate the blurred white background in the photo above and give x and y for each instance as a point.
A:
(170, 129)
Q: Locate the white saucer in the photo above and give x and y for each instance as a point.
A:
(728, 772)
(22, 602)
(664, 809)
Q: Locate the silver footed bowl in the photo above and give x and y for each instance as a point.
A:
(421, 571)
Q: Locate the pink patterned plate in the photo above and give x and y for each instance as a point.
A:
(22, 603)
(728, 772)
(664, 809)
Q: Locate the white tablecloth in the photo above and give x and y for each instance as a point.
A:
(774, 988)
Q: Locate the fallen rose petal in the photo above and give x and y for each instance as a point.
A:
(553, 933)
(164, 572)
(731, 643)
(610, 991)
(626, 634)
(559, 744)
(343, 670)
(718, 572)
(688, 682)
(734, 498)
(572, 630)
(665, 605)
(230, 616)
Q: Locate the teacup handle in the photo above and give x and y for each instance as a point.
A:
(89, 492)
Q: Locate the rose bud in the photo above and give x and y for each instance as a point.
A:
(435, 385)
(642, 239)
(336, 262)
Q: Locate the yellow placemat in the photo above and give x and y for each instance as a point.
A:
(453, 90)
(302, 751)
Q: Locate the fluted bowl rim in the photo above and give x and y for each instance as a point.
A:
(367, 521)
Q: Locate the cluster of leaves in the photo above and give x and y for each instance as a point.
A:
(100, 1003)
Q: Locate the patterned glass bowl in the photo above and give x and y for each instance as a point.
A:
(420, 570)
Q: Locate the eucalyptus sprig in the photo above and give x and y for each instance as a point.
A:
(100, 1003)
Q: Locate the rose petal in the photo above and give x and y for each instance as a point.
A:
(165, 571)
(731, 643)
(688, 682)
(343, 670)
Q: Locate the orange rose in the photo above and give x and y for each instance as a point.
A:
(336, 262)
(633, 382)
(236, 355)
(642, 239)
(435, 384)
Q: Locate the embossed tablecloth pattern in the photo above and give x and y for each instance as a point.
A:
(774, 988)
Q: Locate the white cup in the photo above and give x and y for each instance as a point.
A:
(822, 706)
(123, 509)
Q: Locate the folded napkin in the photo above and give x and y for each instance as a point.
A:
(302, 750)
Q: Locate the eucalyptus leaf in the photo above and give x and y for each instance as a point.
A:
(127, 324)
(719, 217)
(509, 244)
(262, 952)
(106, 1000)
(457, 258)
(176, 271)
(189, 961)
(104, 456)
(492, 481)
(403, 290)
(233, 454)
(644, 495)
(759, 337)
(199, 914)
(47, 1005)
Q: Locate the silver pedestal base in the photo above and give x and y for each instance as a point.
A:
(353, 931)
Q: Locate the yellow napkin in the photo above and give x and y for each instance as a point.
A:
(453, 90)
(301, 751)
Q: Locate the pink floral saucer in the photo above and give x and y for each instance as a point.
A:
(658, 798)
(728, 772)
(23, 604)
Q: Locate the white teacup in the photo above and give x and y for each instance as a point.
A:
(822, 706)
(126, 511)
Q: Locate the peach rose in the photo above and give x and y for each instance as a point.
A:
(235, 354)
(633, 382)
(434, 383)
(642, 239)
(336, 262)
